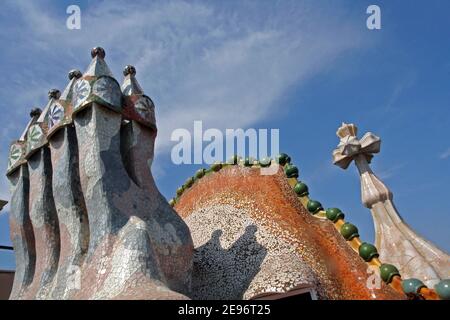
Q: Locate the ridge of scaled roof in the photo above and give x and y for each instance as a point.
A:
(368, 252)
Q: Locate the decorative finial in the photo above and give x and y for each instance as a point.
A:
(54, 94)
(347, 130)
(98, 51)
(129, 70)
(35, 112)
(74, 73)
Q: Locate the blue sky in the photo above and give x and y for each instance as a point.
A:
(300, 66)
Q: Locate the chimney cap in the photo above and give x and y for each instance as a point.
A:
(54, 94)
(74, 73)
(129, 70)
(98, 51)
(35, 112)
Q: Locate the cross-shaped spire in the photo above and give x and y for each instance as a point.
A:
(397, 243)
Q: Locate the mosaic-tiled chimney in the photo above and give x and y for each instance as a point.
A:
(87, 220)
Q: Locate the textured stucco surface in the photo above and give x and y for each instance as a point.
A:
(70, 208)
(22, 236)
(236, 257)
(303, 249)
(45, 224)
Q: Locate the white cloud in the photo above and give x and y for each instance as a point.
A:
(227, 65)
(445, 155)
(390, 172)
(405, 83)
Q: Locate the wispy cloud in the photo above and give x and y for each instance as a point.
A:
(405, 83)
(393, 108)
(445, 155)
(390, 172)
(227, 65)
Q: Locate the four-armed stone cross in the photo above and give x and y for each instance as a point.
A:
(397, 243)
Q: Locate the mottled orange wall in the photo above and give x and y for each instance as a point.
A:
(271, 201)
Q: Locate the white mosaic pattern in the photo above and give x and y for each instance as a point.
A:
(34, 135)
(55, 115)
(14, 155)
(81, 92)
(108, 90)
(143, 108)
